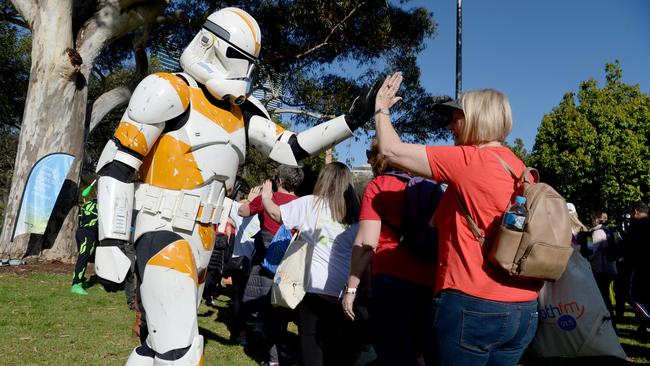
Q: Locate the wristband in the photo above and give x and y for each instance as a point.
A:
(383, 111)
(349, 290)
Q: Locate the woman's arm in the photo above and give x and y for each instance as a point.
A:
(410, 157)
(245, 208)
(364, 247)
(270, 207)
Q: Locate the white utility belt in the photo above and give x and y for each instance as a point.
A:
(183, 207)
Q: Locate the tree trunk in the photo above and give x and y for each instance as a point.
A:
(52, 122)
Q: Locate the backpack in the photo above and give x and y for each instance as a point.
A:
(415, 234)
(542, 250)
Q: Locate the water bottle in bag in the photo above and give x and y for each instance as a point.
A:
(515, 217)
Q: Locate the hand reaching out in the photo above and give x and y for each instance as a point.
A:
(255, 191)
(387, 95)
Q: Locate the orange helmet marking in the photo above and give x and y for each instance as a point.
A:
(231, 121)
(177, 256)
(182, 89)
(249, 22)
(171, 165)
(130, 136)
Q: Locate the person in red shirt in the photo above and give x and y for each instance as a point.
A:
(401, 284)
(480, 315)
(257, 295)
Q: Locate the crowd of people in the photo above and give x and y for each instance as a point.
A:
(453, 309)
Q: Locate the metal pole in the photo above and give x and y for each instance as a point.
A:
(459, 49)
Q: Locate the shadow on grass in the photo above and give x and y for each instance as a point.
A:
(209, 336)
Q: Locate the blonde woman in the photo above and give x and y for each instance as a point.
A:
(328, 223)
(481, 316)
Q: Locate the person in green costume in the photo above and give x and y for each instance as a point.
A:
(86, 237)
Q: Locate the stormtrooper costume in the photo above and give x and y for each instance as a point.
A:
(186, 135)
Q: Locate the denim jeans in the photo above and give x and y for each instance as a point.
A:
(466, 330)
(398, 312)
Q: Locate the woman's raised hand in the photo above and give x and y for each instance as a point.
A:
(255, 191)
(267, 189)
(387, 95)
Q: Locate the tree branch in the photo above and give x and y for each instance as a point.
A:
(307, 113)
(326, 40)
(106, 103)
(26, 9)
(179, 16)
(111, 22)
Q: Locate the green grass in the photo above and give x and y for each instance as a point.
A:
(42, 323)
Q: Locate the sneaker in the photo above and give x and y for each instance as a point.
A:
(78, 289)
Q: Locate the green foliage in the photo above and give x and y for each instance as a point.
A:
(519, 149)
(14, 73)
(594, 147)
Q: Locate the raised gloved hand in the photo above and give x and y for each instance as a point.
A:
(111, 264)
(363, 106)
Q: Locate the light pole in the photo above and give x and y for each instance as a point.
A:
(459, 49)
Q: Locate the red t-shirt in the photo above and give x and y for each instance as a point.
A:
(383, 199)
(266, 222)
(486, 188)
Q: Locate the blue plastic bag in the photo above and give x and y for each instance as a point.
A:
(277, 248)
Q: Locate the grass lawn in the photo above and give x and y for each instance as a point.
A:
(41, 323)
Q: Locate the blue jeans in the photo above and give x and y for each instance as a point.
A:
(466, 330)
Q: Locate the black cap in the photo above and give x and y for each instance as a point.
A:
(446, 110)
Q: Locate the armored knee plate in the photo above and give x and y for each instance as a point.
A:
(169, 295)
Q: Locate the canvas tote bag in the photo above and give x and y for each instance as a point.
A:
(573, 318)
(289, 281)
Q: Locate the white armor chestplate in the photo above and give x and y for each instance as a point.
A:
(188, 173)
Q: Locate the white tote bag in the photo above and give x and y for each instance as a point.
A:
(289, 281)
(573, 318)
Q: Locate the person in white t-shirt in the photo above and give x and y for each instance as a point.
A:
(328, 221)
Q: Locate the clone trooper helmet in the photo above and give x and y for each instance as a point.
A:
(223, 54)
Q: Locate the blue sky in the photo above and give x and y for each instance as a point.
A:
(533, 51)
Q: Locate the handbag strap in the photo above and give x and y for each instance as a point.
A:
(476, 231)
(472, 224)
